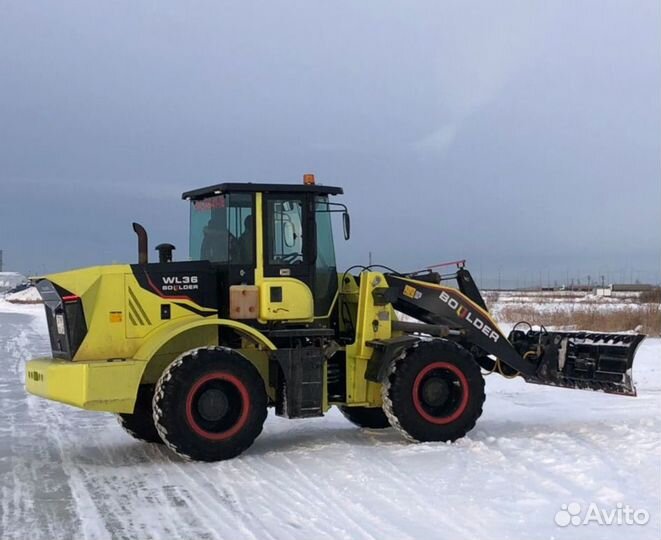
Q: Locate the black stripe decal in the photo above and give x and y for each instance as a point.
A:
(140, 308)
(196, 311)
(133, 310)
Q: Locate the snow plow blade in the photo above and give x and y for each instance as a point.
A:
(583, 360)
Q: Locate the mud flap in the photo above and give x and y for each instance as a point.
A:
(583, 360)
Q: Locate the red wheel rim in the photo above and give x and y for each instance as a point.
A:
(242, 418)
(463, 383)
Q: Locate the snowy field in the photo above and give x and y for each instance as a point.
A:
(559, 300)
(67, 474)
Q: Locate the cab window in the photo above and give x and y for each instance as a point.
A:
(284, 231)
(222, 229)
(325, 281)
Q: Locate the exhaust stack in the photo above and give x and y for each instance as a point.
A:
(143, 243)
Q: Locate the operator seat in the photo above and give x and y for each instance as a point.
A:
(216, 241)
(243, 247)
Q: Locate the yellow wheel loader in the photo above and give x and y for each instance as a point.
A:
(192, 353)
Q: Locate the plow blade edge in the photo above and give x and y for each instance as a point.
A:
(584, 360)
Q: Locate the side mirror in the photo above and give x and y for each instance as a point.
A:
(346, 225)
(288, 234)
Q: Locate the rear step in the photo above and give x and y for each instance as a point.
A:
(586, 360)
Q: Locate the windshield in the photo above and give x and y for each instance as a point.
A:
(222, 229)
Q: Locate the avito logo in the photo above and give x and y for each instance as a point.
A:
(622, 514)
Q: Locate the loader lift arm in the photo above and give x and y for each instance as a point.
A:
(583, 360)
(463, 318)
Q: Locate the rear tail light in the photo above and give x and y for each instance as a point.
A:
(65, 318)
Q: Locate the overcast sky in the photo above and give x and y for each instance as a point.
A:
(523, 136)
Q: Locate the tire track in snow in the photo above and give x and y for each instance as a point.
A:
(237, 470)
(278, 505)
(90, 518)
(290, 495)
(134, 496)
(616, 484)
(218, 510)
(410, 493)
(34, 488)
(365, 525)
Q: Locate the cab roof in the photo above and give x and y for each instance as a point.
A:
(249, 187)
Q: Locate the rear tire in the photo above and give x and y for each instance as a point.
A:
(210, 404)
(434, 393)
(366, 417)
(140, 424)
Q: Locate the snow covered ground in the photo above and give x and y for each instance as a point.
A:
(66, 473)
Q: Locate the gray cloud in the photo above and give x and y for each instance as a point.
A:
(522, 135)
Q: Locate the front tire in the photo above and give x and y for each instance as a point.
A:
(210, 404)
(434, 393)
(366, 417)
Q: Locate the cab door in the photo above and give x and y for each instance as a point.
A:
(289, 257)
(222, 231)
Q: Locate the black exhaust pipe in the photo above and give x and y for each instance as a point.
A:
(143, 243)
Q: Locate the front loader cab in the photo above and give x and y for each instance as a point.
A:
(272, 241)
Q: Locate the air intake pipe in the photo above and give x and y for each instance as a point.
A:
(165, 252)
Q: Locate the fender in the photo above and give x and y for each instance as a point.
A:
(164, 334)
(112, 385)
(385, 350)
(152, 362)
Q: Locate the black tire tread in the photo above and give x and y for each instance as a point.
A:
(164, 403)
(140, 424)
(403, 368)
(366, 417)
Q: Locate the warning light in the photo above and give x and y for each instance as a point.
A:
(308, 179)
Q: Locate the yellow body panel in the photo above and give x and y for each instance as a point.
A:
(166, 333)
(172, 340)
(112, 385)
(297, 303)
(127, 343)
(372, 322)
(97, 386)
(99, 288)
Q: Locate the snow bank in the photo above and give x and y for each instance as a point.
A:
(26, 296)
(9, 280)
